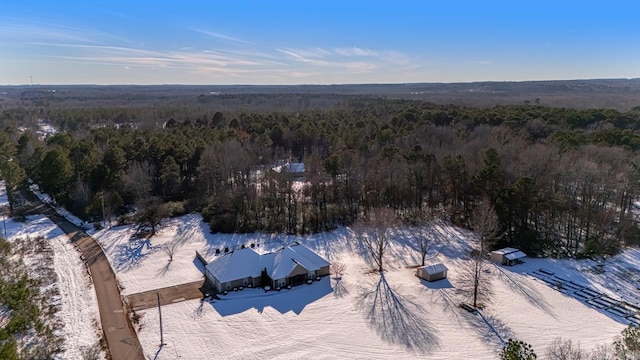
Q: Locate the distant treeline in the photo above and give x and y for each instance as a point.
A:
(562, 181)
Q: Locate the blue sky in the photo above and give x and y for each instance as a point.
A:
(315, 42)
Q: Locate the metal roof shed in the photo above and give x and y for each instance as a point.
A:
(507, 256)
(432, 272)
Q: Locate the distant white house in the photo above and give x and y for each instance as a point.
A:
(289, 167)
(290, 265)
(507, 256)
(432, 272)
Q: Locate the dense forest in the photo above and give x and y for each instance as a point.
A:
(562, 181)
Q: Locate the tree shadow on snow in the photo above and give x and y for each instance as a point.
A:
(130, 254)
(165, 269)
(189, 228)
(520, 286)
(489, 328)
(331, 243)
(339, 290)
(454, 242)
(396, 319)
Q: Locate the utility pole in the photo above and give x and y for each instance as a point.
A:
(104, 219)
(160, 315)
(4, 219)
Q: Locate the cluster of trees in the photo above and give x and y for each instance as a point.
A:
(26, 334)
(562, 181)
(625, 347)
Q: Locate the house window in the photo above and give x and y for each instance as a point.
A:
(281, 282)
(228, 286)
(311, 275)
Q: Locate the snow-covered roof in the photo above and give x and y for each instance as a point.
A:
(505, 251)
(515, 255)
(290, 168)
(236, 265)
(288, 257)
(279, 264)
(434, 269)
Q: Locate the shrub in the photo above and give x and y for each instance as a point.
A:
(517, 350)
(627, 346)
(265, 280)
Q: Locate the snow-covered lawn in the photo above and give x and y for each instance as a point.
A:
(76, 300)
(362, 315)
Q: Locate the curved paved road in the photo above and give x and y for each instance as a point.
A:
(121, 338)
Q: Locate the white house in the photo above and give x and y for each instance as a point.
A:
(290, 265)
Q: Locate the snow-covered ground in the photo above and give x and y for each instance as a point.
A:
(45, 129)
(46, 198)
(76, 299)
(362, 315)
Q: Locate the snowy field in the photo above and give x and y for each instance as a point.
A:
(363, 315)
(78, 308)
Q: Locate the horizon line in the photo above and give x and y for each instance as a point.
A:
(335, 84)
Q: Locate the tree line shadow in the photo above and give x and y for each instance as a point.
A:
(397, 319)
(524, 289)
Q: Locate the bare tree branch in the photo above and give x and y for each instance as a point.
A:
(423, 238)
(170, 249)
(372, 232)
(485, 222)
(338, 268)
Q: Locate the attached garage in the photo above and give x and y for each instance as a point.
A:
(432, 272)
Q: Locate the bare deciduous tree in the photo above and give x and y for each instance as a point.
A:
(485, 222)
(565, 350)
(372, 231)
(473, 279)
(137, 179)
(423, 238)
(170, 249)
(602, 352)
(338, 268)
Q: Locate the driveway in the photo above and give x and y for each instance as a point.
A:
(168, 295)
(119, 334)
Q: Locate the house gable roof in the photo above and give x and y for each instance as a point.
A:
(279, 264)
(434, 269)
(515, 255)
(236, 265)
(505, 251)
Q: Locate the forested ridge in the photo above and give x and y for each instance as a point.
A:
(562, 181)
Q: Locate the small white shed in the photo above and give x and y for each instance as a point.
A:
(432, 272)
(507, 256)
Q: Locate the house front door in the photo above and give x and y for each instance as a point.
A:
(298, 279)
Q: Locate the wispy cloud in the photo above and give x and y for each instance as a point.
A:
(104, 48)
(356, 51)
(219, 35)
(355, 59)
(19, 31)
(304, 56)
(230, 58)
(124, 56)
